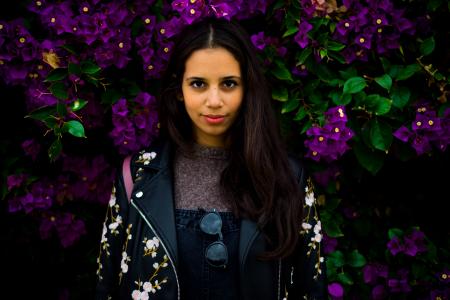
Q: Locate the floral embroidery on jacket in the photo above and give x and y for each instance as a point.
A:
(311, 221)
(144, 288)
(113, 221)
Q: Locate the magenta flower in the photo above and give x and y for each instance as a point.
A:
(395, 246)
(336, 291)
(301, 38)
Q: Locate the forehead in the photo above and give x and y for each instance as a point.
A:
(212, 62)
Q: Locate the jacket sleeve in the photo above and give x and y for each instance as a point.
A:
(307, 275)
(111, 264)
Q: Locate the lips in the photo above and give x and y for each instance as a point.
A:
(214, 119)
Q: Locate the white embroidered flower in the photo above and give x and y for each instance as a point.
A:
(157, 284)
(113, 226)
(112, 200)
(147, 157)
(138, 295)
(155, 265)
(105, 230)
(318, 227)
(152, 244)
(309, 198)
(306, 226)
(148, 287)
(123, 263)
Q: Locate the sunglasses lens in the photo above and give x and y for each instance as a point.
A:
(217, 254)
(211, 223)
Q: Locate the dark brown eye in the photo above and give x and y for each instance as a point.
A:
(198, 84)
(229, 84)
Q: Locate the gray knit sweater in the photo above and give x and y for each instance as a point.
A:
(197, 176)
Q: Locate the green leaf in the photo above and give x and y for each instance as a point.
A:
(335, 46)
(289, 105)
(354, 85)
(56, 74)
(356, 259)
(280, 71)
(386, 64)
(89, 67)
(348, 73)
(301, 114)
(380, 134)
(408, 71)
(344, 278)
(306, 126)
(55, 149)
(337, 56)
(291, 29)
(395, 232)
(371, 160)
(71, 49)
(78, 104)
(377, 104)
(74, 127)
(427, 46)
(280, 93)
(400, 96)
(434, 4)
(61, 108)
(384, 81)
(340, 99)
(42, 113)
(332, 228)
(336, 258)
(59, 90)
(304, 54)
(74, 69)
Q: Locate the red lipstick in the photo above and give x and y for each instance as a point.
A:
(214, 119)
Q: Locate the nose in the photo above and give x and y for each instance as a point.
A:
(214, 99)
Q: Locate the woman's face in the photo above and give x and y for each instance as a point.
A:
(212, 90)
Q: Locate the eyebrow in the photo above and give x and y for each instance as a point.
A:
(222, 78)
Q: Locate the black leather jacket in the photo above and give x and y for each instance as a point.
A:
(138, 251)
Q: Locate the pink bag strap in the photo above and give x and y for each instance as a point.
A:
(126, 173)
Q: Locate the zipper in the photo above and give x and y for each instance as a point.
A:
(164, 247)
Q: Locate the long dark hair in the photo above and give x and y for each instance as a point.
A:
(258, 181)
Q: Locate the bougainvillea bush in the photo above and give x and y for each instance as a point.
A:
(360, 88)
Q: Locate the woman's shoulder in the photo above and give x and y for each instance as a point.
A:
(155, 155)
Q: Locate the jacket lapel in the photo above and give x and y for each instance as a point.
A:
(153, 195)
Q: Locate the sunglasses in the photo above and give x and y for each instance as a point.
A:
(216, 253)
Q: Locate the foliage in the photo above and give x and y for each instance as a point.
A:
(357, 85)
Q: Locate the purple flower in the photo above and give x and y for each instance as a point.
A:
(14, 181)
(400, 284)
(379, 292)
(329, 244)
(373, 271)
(188, 10)
(439, 294)
(403, 134)
(301, 38)
(414, 243)
(444, 276)
(31, 148)
(336, 291)
(395, 246)
(222, 10)
(68, 228)
(258, 40)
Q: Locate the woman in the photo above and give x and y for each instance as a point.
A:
(217, 208)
